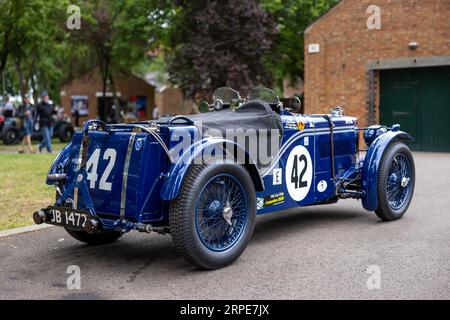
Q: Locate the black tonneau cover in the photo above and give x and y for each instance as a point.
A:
(256, 115)
(253, 120)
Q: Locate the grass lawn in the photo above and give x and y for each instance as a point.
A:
(57, 146)
(22, 186)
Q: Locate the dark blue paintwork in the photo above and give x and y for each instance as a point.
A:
(153, 180)
(317, 130)
(372, 164)
(177, 170)
(61, 162)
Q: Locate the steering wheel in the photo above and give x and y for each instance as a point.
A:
(94, 124)
(176, 118)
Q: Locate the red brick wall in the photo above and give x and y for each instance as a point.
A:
(171, 101)
(90, 83)
(338, 73)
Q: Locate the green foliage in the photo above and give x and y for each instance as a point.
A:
(155, 65)
(39, 52)
(116, 34)
(205, 43)
(292, 18)
(32, 40)
(219, 43)
(233, 43)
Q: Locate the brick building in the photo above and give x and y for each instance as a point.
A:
(136, 96)
(170, 101)
(398, 73)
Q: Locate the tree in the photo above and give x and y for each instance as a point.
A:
(117, 34)
(214, 43)
(292, 18)
(39, 51)
(6, 26)
(38, 45)
(33, 44)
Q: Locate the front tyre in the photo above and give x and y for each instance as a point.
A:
(11, 136)
(213, 217)
(396, 180)
(104, 237)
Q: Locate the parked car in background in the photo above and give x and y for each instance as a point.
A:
(11, 133)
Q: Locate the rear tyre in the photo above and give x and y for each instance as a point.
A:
(396, 180)
(11, 136)
(94, 239)
(213, 217)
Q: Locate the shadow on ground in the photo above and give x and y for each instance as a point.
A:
(160, 249)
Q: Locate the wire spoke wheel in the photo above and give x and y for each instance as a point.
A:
(220, 212)
(213, 217)
(398, 182)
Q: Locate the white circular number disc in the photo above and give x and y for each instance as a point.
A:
(299, 173)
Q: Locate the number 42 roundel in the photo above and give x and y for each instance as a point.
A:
(299, 173)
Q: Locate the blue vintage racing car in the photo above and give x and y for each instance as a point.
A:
(203, 178)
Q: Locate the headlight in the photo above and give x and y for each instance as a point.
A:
(373, 132)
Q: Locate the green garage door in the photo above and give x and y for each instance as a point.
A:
(419, 100)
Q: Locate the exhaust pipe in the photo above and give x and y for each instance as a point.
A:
(39, 217)
(92, 226)
(57, 177)
(142, 227)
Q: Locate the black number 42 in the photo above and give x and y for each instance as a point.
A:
(295, 178)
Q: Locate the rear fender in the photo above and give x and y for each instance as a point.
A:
(59, 165)
(372, 164)
(172, 185)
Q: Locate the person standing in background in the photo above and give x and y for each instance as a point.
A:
(8, 108)
(45, 112)
(26, 115)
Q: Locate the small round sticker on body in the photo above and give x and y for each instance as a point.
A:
(322, 186)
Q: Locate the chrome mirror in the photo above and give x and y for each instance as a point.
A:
(295, 104)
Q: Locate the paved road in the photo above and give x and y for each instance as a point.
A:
(319, 252)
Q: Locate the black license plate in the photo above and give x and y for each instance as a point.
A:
(67, 217)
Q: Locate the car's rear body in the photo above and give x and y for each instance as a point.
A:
(133, 174)
(133, 169)
(126, 176)
(129, 169)
(203, 178)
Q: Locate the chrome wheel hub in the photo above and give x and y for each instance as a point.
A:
(228, 213)
(405, 182)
